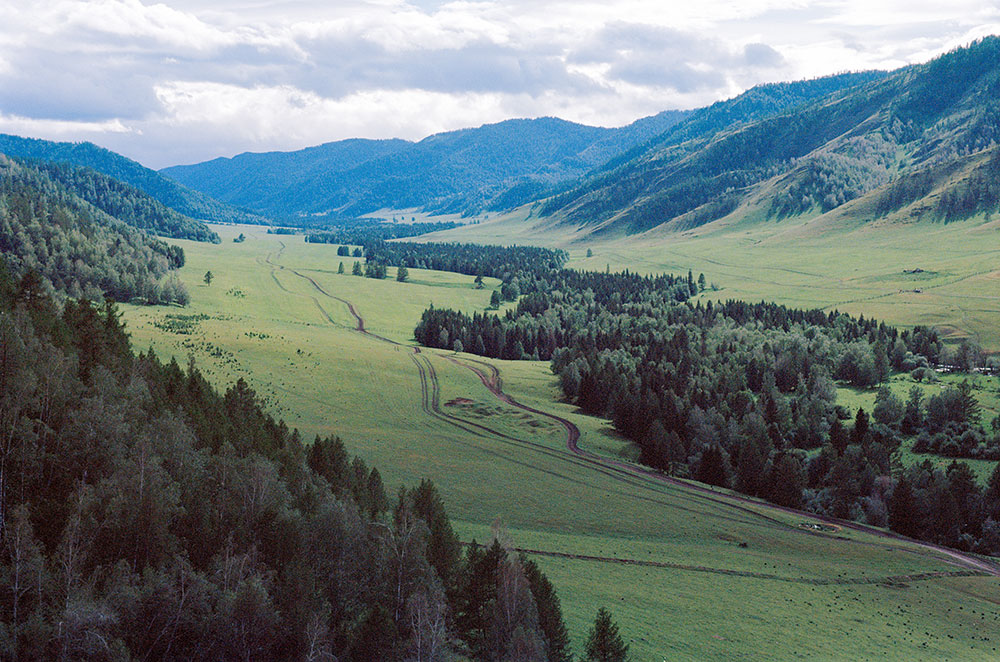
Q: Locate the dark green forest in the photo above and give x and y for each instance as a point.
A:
(163, 189)
(123, 201)
(73, 247)
(743, 395)
(144, 515)
(370, 234)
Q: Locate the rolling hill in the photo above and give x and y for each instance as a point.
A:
(168, 192)
(898, 138)
(491, 167)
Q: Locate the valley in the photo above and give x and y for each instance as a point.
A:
(278, 314)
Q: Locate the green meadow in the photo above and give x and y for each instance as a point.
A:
(687, 574)
(945, 275)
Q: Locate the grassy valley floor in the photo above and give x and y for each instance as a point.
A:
(687, 572)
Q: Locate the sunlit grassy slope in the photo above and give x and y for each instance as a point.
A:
(833, 263)
(687, 575)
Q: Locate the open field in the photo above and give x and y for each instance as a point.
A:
(688, 573)
(855, 268)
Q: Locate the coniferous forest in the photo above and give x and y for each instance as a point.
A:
(743, 395)
(144, 515)
(75, 246)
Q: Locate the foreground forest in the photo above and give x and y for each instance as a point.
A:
(144, 515)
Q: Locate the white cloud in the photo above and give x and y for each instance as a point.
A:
(189, 79)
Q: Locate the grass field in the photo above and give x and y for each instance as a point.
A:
(853, 267)
(688, 575)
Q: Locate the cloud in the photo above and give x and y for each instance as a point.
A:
(190, 80)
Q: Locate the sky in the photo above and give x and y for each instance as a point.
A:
(184, 81)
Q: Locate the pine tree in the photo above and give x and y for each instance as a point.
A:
(604, 643)
(356, 269)
(340, 269)
(402, 274)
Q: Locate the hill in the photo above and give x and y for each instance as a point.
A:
(75, 247)
(889, 137)
(168, 192)
(493, 166)
(123, 201)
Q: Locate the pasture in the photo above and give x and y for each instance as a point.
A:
(688, 574)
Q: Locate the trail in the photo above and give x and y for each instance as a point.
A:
(631, 474)
(816, 581)
(493, 384)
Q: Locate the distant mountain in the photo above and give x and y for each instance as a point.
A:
(812, 147)
(76, 248)
(179, 198)
(497, 165)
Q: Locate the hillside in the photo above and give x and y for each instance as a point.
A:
(76, 248)
(123, 201)
(490, 167)
(812, 158)
(163, 189)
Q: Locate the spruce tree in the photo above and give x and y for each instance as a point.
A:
(604, 643)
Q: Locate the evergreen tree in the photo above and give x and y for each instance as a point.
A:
(604, 643)
(904, 515)
(356, 269)
(340, 269)
(208, 277)
(402, 274)
(859, 434)
(712, 468)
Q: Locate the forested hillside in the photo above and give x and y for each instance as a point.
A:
(812, 158)
(163, 189)
(123, 201)
(495, 166)
(144, 515)
(73, 247)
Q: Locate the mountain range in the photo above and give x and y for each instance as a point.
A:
(919, 142)
(495, 166)
(915, 143)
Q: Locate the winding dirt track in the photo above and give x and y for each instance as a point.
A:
(630, 473)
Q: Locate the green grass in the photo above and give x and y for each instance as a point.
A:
(297, 347)
(986, 390)
(854, 267)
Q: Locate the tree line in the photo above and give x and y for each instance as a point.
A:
(738, 394)
(366, 234)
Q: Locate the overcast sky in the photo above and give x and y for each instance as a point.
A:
(188, 80)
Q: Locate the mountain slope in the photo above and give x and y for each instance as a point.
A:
(77, 249)
(123, 201)
(180, 198)
(812, 158)
(490, 166)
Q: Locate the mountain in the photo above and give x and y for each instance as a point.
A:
(896, 138)
(179, 198)
(74, 247)
(493, 166)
